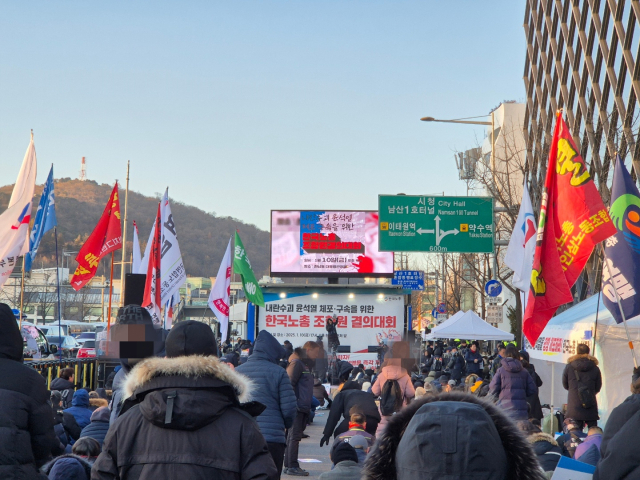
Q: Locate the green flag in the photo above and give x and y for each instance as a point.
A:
(242, 266)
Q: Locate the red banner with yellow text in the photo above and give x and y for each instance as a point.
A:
(573, 220)
(105, 238)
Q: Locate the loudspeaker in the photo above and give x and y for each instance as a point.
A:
(411, 337)
(134, 288)
(373, 348)
(344, 349)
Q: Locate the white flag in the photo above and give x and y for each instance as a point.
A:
(144, 265)
(137, 261)
(522, 246)
(14, 222)
(220, 293)
(173, 275)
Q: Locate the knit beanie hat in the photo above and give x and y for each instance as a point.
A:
(342, 452)
(191, 338)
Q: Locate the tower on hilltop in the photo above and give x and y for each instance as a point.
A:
(83, 170)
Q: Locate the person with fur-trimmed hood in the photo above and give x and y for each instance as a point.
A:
(544, 445)
(186, 416)
(619, 446)
(454, 435)
(582, 371)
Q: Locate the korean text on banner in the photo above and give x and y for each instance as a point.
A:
(220, 293)
(105, 238)
(242, 266)
(14, 222)
(173, 273)
(623, 248)
(573, 220)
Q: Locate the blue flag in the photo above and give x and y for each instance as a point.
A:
(622, 250)
(45, 221)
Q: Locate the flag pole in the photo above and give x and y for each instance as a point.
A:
(55, 231)
(22, 293)
(110, 294)
(624, 318)
(124, 240)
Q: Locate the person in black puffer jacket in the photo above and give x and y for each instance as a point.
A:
(99, 425)
(456, 365)
(187, 416)
(623, 412)
(587, 369)
(273, 389)
(350, 396)
(64, 384)
(26, 420)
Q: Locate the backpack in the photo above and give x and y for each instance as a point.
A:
(66, 399)
(391, 398)
(587, 399)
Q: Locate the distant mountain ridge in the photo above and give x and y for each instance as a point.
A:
(203, 237)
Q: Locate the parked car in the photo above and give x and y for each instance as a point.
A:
(87, 349)
(83, 337)
(35, 344)
(67, 346)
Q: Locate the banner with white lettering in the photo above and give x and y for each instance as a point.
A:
(364, 320)
(173, 273)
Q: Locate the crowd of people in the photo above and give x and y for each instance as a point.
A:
(198, 409)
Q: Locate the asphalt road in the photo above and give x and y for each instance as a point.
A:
(310, 448)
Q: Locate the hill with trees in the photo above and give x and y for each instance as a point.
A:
(203, 236)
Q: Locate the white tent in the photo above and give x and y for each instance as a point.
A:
(608, 343)
(448, 321)
(470, 327)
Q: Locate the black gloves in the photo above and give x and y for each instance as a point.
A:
(325, 440)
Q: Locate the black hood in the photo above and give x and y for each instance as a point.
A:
(11, 342)
(201, 387)
(60, 383)
(267, 348)
(453, 435)
(351, 385)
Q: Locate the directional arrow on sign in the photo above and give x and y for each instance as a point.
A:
(422, 230)
(440, 235)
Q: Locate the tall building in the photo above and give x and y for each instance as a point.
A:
(581, 56)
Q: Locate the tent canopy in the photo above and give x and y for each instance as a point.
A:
(448, 321)
(468, 326)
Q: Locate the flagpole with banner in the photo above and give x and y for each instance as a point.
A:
(21, 293)
(110, 292)
(573, 220)
(55, 233)
(124, 238)
(621, 252)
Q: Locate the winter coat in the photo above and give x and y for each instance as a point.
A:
(26, 421)
(66, 389)
(456, 366)
(272, 387)
(473, 367)
(68, 467)
(513, 384)
(393, 371)
(621, 461)
(581, 449)
(496, 363)
(185, 418)
(547, 450)
(302, 383)
(80, 409)
(319, 392)
(350, 396)
(98, 427)
(117, 393)
(345, 470)
(453, 436)
(352, 432)
(534, 400)
(618, 417)
(590, 377)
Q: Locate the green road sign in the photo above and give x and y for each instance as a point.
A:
(416, 223)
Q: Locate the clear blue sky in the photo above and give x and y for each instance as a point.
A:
(241, 107)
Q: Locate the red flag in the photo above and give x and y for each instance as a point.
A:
(152, 287)
(105, 238)
(573, 220)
